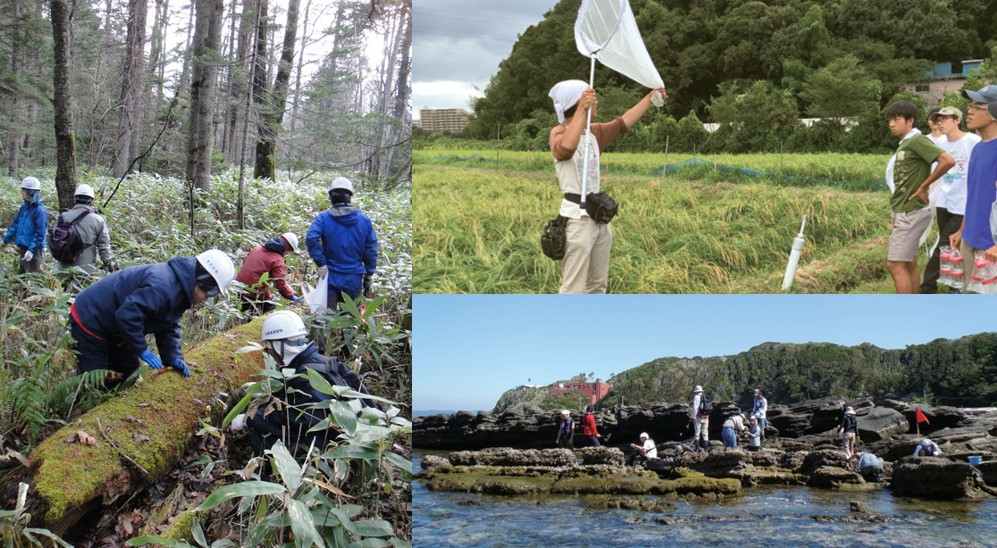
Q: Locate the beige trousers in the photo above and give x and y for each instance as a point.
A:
(586, 259)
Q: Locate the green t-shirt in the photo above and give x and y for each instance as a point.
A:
(912, 167)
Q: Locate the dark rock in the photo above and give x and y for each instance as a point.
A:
(858, 506)
(832, 477)
(881, 424)
(601, 455)
(506, 456)
(935, 478)
(432, 461)
(823, 458)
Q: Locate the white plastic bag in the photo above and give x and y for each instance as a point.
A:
(318, 298)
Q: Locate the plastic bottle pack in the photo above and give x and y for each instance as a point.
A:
(956, 273)
(945, 265)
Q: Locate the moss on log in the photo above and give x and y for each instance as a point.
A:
(152, 425)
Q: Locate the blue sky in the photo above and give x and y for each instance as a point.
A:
(468, 349)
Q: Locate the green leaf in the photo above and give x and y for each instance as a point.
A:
(344, 519)
(288, 468)
(343, 415)
(373, 528)
(244, 489)
(156, 540)
(198, 534)
(302, 525)
(319, 383)
(400, 462)
(352, 452)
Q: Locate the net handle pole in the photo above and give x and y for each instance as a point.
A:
(588, 125)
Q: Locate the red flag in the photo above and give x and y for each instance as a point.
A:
(920, 416)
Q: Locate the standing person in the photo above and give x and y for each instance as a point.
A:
(912, 175)
(110, 319)
(937, 136)
(950, 196)
(27, 229)
(700, 417)
(975, 233)
(343, 244)
(286, 340)
(586, 258)
(927, 448)
(731, 427)
(646, 450)
(760, 410)
(589, 428)
(754, 435)
(268, 258)
(565, 431)
(850, 427)
(91, 228)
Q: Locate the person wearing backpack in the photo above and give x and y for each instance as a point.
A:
(110, 319)
(849, 430)
(27, 229)
(699, 413)
(267, 258)
(285, 339)
(80, 234)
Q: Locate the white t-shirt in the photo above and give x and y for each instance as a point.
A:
(952, 186)
(650, 449)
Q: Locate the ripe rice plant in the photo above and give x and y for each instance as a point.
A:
(477, 227)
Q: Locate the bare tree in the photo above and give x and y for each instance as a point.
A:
(65, 139)
(207, 37)
(260, 76)
(270, 118)
(130, 104)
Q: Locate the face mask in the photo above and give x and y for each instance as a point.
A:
(286, 351)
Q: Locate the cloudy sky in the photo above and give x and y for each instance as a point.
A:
(457, 46)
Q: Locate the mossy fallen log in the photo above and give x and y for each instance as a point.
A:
(151, 426)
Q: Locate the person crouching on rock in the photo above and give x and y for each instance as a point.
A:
(754, 435)
(589, 428)
(732, 426)
(647, 450)
(566, 431)
(871, 467)
(927, 448)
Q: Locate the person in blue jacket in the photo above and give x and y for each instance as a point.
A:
(28, 228)
(110, 319)
(343, 244)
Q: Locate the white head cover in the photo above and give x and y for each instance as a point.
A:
(565, 95)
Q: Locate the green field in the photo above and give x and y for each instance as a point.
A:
(478, 216)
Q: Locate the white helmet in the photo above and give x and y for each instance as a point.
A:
(218, 265)
(283, 324)
(565, 412)
(644, 436)
(292, 239)
(31, 183)
(342, 183)
(84, 190)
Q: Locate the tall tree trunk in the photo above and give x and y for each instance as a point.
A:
(238, 85)
(266, 144)
(130, 104)
(65, 140)
(260, 76)
(301, 61)
(14, 155)
(206, 57)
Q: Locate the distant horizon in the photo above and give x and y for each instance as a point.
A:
(473, 348)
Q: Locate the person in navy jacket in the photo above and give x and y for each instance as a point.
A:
(110, 319)
(343, 244)
(28, 228)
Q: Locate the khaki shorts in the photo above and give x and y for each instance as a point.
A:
(908, 228)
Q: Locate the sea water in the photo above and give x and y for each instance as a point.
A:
(765, 516)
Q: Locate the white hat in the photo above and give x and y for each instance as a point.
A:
(757, 391)
(566, 95)
(644, 436)
(84, 190)
(697, 390)
(925, 442)
(342, 183)
(283, 324)
(292, 240)
(565, 412)
(218, 265)
(31, 183)
(849, 411)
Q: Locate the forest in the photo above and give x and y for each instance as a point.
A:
(753, 67)
(204, 124)
(961, 372)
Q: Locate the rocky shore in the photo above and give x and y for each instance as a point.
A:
(511, 453)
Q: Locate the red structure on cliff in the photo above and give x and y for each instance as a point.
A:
(595, 390)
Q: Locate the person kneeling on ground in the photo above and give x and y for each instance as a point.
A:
(267, 258)
(731, 427)
(110, 319)
(285, 338)
(647, 450)
(871, 467)
(927, 448)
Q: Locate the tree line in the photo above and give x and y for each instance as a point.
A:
(92, 87)
(753, 67)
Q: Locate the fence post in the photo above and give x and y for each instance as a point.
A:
(664, 170)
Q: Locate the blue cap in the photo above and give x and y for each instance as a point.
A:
(986, 95)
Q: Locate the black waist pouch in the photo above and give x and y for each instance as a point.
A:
(554, 240)
(600, 207)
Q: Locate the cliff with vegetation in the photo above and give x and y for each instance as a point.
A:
(961, 372)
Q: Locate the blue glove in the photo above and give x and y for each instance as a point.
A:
(296, 299)
(153, 360)
(181, 366)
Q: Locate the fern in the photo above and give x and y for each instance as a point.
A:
(79, 391)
